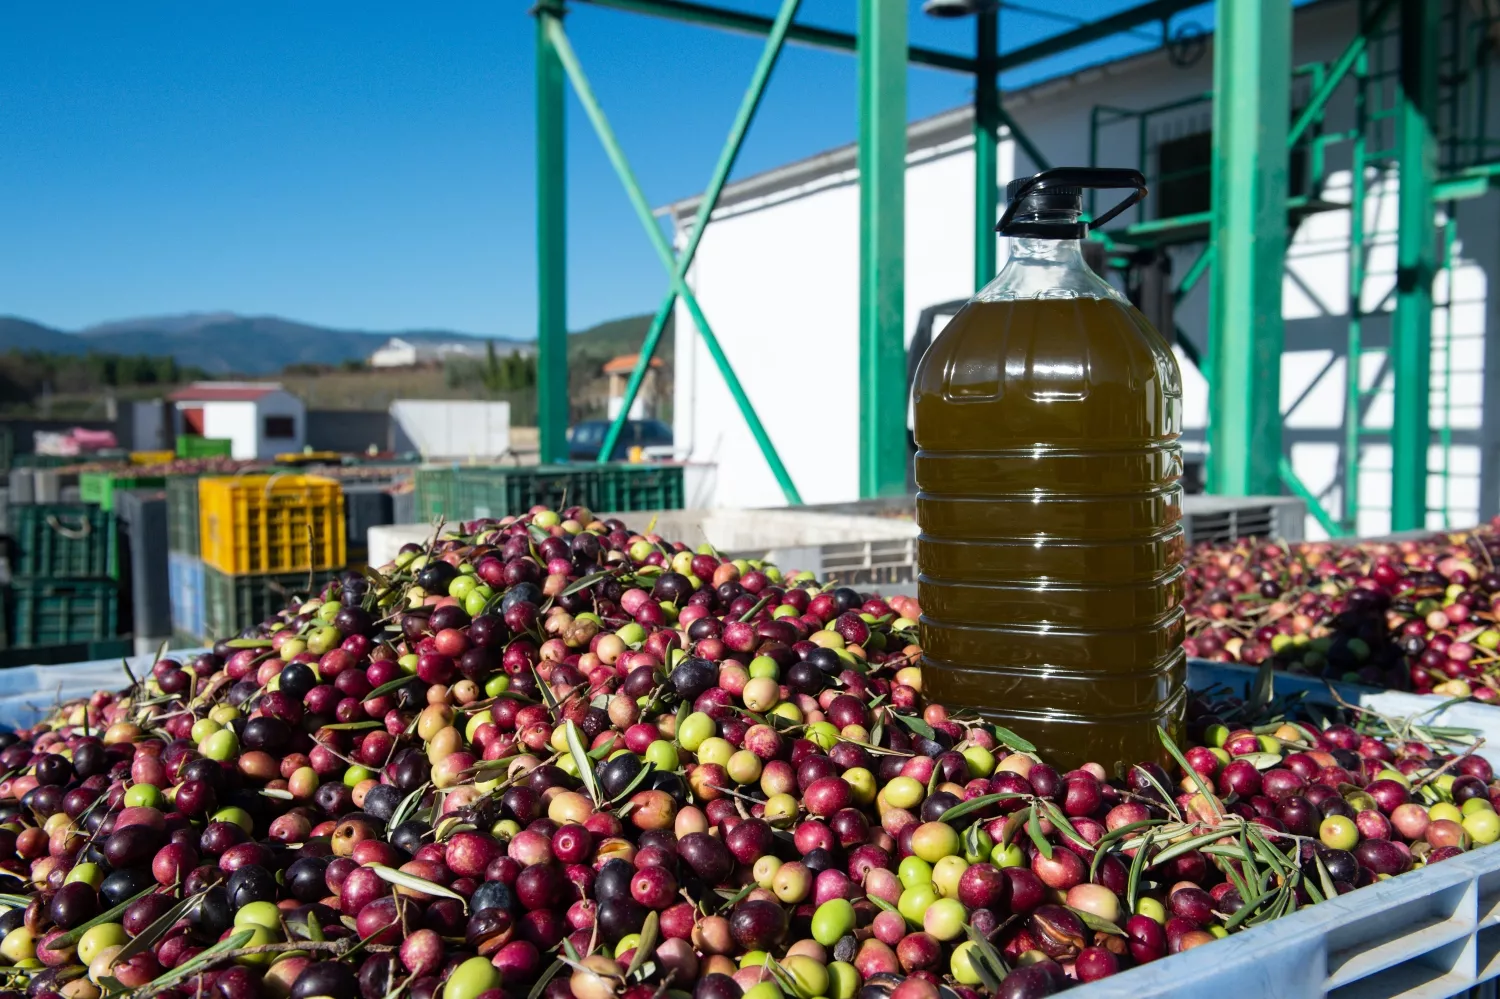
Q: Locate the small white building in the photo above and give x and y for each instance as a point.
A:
(401, 353)
(262, 419)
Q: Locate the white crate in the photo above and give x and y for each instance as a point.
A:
(27, 693)
(1484, 719)
(1428, 933)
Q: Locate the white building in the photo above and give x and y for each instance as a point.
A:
(402, 353)
(777, 275)
(261, 418)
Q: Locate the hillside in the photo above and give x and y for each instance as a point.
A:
(220, 343)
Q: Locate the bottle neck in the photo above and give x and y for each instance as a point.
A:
(1046, 268)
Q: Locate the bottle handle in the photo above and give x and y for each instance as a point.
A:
(1100, 178)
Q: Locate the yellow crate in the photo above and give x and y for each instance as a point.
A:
(152, 457)
(271, 523)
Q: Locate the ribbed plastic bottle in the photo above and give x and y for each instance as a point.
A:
(1047, 417)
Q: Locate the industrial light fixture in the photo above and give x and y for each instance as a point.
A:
(958, 8)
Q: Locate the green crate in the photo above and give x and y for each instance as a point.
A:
(100, 487)
(45, 460)
(182, 514)
(623, 488)
(498, 492)
(434, 491)
(233, 603)
(58, 541)
(191, 446)
(64, 612)
(56, 655)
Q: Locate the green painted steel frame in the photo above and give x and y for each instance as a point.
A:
(883, 442)
(1416, 264)
(591, 107)
(551, 240)
(1252, 81)
(986, 147)
(775, 41)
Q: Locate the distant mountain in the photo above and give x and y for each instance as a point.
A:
(23, 334)
(221, 343)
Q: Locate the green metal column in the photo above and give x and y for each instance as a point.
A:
(882, 234)
(1416, 263)
(769, 55)
(986, 144)
(1252, 105)
(551, 239)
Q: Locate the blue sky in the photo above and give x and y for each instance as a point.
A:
(370, 164)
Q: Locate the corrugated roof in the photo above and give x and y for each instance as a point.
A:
(224, 391)
(625, 363)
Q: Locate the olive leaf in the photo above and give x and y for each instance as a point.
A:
(917, 725)
(604, 749)
(1112, 837)
(389, 687)
(646, 946)
(934, 780)
(758, 606)
(586, 583)
(1009, 738)
(1137, 865)
(635, 782)
(414, 883)
(975, 804)
(277, 792)
(881, 903)
(188, 969)
(547, 976)
(74, 935)
(1034, 830)
(1060, 820)
(1098, 923)
(144, 939)
(581, 760)
(729, 901)
(1324, 878)
(1168, 801)
(1203, 788)
(988, 962)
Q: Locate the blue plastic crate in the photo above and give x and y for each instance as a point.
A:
(185, 592)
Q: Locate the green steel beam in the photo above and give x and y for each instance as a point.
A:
(1416, 263)
(1354, 349)
(753, 24)
(986, 146)
(637, 197)
(551, 240)
(882, 252)
(1252, 84)
(1336, 74)
(1104, 27)
(1023, 140)
(775, 41)
(1299, 489)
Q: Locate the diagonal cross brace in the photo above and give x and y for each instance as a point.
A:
(669, 260)
(775, 41)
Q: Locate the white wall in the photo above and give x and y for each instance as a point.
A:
(235, 421)
(778, 280)
(243, 423)
(451, 429)
(780, 288)
(280, 404)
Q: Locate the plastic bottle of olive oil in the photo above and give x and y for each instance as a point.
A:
(1047, 416)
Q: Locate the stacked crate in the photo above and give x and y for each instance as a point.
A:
(261, 538)
(64, 571)
(473, 492)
